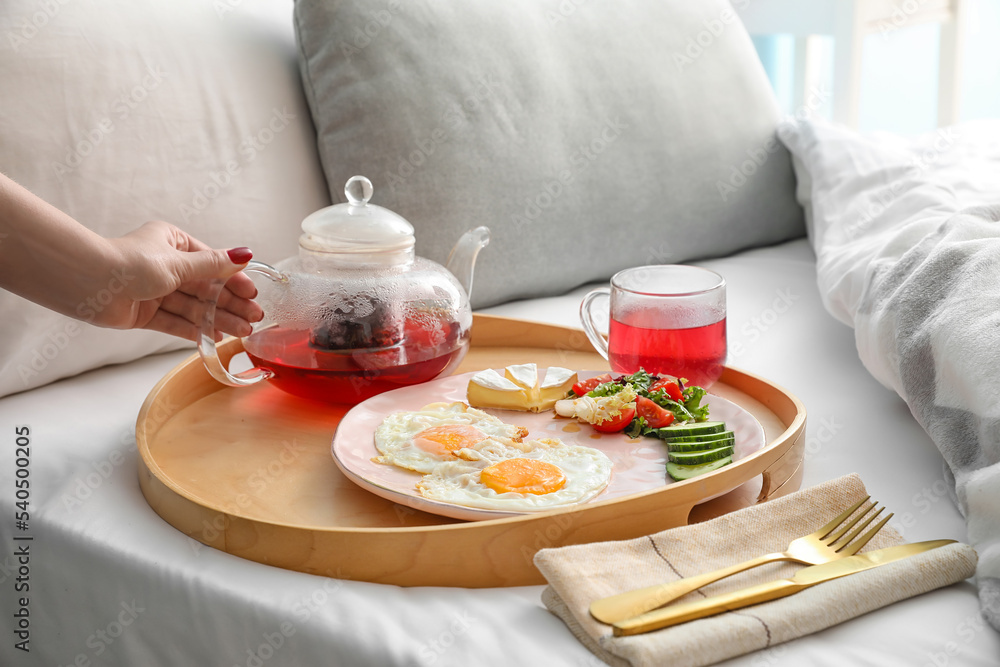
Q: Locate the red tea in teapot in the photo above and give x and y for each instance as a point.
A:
(304, 366)
(356, 312)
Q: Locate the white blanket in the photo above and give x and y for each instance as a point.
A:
(907, 239)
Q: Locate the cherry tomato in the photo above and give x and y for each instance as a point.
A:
(655, 416)
(616, 424)
(672, 388)
(583, 386)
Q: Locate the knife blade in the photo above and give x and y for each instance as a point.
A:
(804, 578)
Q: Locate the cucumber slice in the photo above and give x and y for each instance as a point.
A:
(704, 456)
(697, 428)
(680, 472)
(700, 445)
(710, 437)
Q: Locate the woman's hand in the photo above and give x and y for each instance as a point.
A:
(151, 278)
(165, 273)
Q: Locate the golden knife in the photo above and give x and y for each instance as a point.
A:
(804, 578)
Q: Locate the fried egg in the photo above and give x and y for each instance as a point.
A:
(531, 476)
(420, 440)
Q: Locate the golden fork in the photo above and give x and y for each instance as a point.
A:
(829, 543)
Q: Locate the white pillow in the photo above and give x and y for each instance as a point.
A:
(123, 111)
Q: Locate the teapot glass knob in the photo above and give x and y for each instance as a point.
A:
(358, 190)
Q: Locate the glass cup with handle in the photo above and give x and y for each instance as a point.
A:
(667, 319)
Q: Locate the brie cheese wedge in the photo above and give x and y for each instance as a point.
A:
(520, 388)
(555, 386)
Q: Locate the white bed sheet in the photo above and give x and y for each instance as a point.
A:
(113, 584)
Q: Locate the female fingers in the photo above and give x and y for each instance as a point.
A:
(191, 309)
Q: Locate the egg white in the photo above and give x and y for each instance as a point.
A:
(394, 436)
(587, 472)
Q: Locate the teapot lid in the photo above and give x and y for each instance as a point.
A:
(356, 227)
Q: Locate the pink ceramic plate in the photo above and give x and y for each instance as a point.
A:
(639, 465)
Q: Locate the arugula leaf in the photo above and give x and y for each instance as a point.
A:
(681, 413)
(636, 427)
(606, 389)
(640, 380)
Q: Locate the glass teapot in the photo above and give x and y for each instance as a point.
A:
(356, 313)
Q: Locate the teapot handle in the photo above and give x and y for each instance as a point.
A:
(206, 341)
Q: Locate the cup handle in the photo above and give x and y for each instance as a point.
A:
(206, 339)
(596, 339)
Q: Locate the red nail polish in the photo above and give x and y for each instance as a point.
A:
(240, 255)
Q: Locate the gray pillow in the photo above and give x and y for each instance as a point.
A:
(589, 136)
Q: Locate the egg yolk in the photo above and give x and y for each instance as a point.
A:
(445, 440)
(523, 476)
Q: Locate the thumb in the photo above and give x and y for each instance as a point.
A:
(207, 264)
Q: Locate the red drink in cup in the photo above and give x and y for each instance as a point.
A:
(695, 353)
(668, 320)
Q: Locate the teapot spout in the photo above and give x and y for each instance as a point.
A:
(462, 260)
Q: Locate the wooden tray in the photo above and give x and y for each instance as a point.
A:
(249, 472)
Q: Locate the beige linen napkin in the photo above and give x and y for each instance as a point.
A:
(580, 574)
